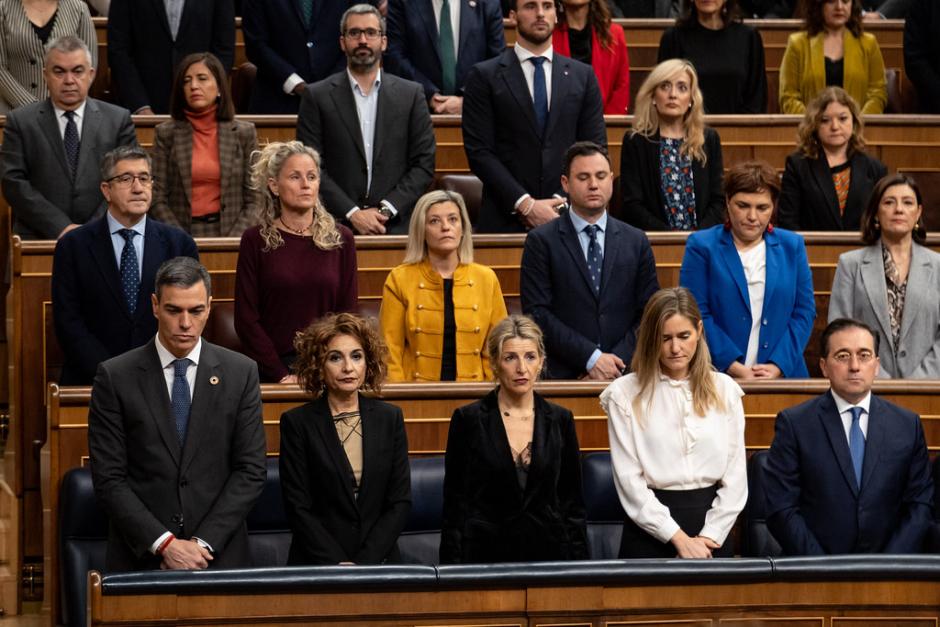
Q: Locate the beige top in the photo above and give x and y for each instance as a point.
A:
(349, 429)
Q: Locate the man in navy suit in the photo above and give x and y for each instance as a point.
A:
(103, 271)
(521, 111)
(847, 471)
(585, 277)
(437, 48)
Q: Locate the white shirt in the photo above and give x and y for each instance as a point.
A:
(528, 70)
(79, 118)
(670, 448)
(454, 6)
(754, 262)
(845, 413)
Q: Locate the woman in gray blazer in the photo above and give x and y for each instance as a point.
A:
(26, 29)
(893, 285)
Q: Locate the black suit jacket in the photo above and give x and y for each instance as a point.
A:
(149, 485)
(402, 155)
(37, 181)
(814, 506)
(487, 516)
(414, 43)
(501, 139)
(640, 182)
(556, 291)
(808, 199)
(330, 524)
(92, 321)
(143, 54)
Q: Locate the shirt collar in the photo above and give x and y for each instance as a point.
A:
(579, 223)
(843, 405)
(355, 85)
(114, 226)
(167, 358)
(79, 111)
(523, 55)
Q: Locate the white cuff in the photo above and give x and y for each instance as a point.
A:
(159, 541)
(292, 81)
(390, 207)
(351, 211)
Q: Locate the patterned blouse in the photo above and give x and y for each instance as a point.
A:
(349, 429)
(841, 179)
(676, 185)
(897, 290)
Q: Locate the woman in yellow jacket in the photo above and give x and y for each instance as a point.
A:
(832, 51)
(438, 306)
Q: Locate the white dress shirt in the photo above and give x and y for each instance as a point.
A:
(671, 448)
(79, 118)
(754, 262)
(845, 413)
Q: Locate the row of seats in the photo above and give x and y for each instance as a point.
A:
(83, 526)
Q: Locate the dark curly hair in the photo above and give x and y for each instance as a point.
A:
(871, 230)
(311, 346)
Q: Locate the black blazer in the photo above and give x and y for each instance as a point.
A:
(92, 321)
(487, 517)
(329, 524)
(814, 506)
(556, 291)
(808, 199)
(143, 55)
(640, 182)
(402, 155)
(500, 137)
(148, 484)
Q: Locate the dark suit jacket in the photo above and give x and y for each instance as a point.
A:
(813, 504)
(402, 157)
(808, 199)
(147, 484)
(143, 55)
(173, 172)
(922, 53)
(501, 139)
(487, 516)
(92, 322)
(330, 524)
(414, 44)
(556, 291)
(36, 177)
(640, 181)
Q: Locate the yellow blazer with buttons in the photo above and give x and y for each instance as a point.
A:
(412, 318)
(803, 71)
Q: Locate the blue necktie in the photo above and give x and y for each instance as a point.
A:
(539, 94)
(857, 444)
(130, 273)
(595, 257)
(180, 401)
(71, 142)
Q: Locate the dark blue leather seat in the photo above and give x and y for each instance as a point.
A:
(605, 515)
(757, 541)
(421, 539)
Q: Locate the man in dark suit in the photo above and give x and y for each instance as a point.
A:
(436, 42)
(102, 272)
(52, 148)
(176, 438)
(847, 471)
(521, 111)
(148, 38)
(585, 277)
(372, 130)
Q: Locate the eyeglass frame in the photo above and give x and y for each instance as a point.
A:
(130, 182)
(355, 33)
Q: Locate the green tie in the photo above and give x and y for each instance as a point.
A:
(448, 59)
(306, 7)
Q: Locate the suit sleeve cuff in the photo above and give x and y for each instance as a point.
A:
(292, 81)
(593, 359)
(159, 541)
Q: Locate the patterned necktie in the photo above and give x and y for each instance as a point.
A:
(448, 57)
(595, 257)
(174, 12)
(306, 7)
(130, 273)
(539, 94)
(857, 444)
(71, 142)
(180, 400)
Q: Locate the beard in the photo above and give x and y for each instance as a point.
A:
(533, 36)
(363, 61)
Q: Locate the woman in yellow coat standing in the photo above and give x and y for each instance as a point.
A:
(438, 306)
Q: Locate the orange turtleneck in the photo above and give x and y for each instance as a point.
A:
(206, 192)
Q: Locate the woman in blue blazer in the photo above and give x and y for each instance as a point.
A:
(752, 282)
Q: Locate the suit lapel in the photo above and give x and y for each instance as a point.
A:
(822, 176)
(732, 261)
(469, 16)
(228, 153)
(571, 242)
(612, 251)
(86, 147)
(832, 423)
(920, 282)
(159, 7)
(425, 11)
(873, 280)
(539, 459)
(560, 86)
(858, 191)
(775, 263)
(493, 425)
(877, 431)
(384, 110)
(817, 61)
(102, 249)
(154, 390)
(205, 398)
(515, 82)
(50, 127)
(327, 430)
(369, 445)
(346, 108)
(183, 155)
(155, 253)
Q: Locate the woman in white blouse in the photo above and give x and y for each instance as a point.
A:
(676, 438)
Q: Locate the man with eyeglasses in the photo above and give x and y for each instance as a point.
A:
(52, 148)
(373, 131)
(103, 272)
(848, 472)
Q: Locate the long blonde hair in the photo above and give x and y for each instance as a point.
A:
(416, 250)
(663, 305)
(267, 165)
(646, 119)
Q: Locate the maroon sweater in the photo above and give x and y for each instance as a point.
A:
(281, 291)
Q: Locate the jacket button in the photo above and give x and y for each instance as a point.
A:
(420, 306)
(310, 44)
(470, 283)
(476, 351)
(184, 483)
(766, 344)
(765, 321)
(903, 353)
(417, 353)
(416, 375)
(421, 285)
(476, 307)
(476, 329)
(417, 329)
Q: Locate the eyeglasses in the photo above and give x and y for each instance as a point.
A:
(845, 357)
(370, 33)
(126, 180)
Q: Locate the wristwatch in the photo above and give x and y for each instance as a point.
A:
(385, 211)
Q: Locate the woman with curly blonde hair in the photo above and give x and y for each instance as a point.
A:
(330, 444)
(670, 164)
(294, 267)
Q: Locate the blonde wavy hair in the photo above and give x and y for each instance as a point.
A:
(646, 119)
(416, 249)
(510, 328)
(664, 304)
(267, 164)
